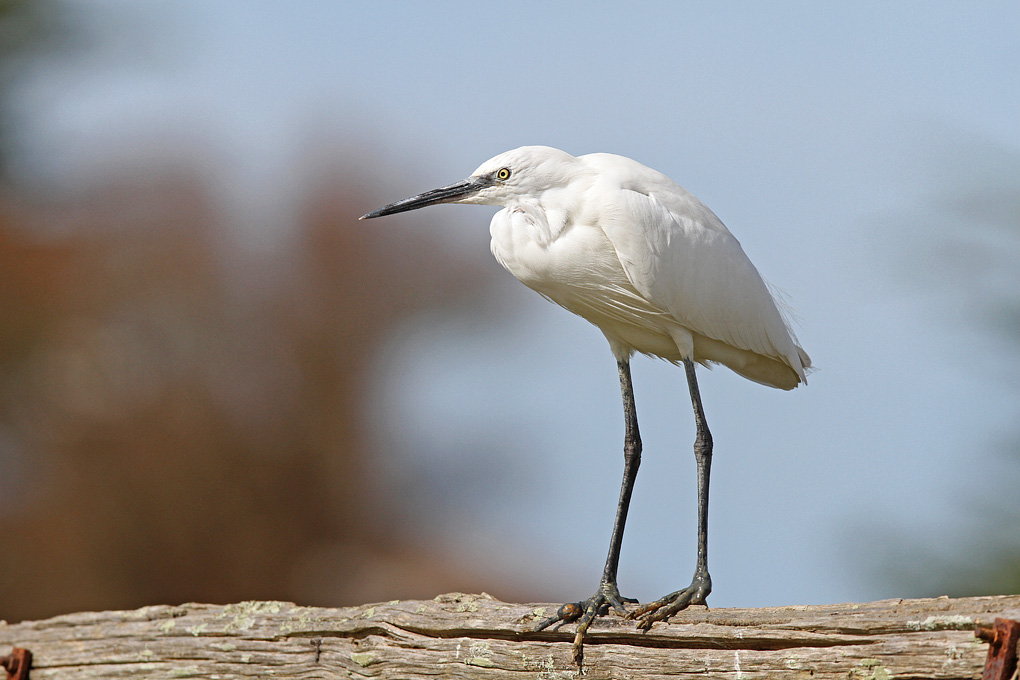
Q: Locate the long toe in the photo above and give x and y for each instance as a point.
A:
(585, 612)
(667, 606)
(571, 611)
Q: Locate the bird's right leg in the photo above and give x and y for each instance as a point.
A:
(608, 594)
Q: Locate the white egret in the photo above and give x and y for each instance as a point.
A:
(637, 255)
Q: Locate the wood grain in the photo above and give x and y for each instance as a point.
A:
(476, 636)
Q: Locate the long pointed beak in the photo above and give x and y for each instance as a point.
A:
(454, 192)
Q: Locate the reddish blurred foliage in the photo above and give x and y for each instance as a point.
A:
(175, 427)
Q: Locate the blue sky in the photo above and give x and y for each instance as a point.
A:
(825, 135)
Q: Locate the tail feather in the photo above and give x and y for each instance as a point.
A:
(771, 371)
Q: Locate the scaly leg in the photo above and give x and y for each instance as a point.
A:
(608, 595)
(701, 584)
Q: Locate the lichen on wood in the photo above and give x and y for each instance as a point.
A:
(476, 636)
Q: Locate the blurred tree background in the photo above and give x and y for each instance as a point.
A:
(184, 415)
(181, 423)
(972, 266)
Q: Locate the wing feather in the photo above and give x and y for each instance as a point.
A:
(682, 258)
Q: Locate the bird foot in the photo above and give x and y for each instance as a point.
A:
(665, 607)
(585, 612)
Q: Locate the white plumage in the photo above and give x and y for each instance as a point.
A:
(634, 253)
(637, 255)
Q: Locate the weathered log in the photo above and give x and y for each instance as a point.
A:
(475, 636)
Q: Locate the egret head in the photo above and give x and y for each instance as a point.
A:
(527, 171)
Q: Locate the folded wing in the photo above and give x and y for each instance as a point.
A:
(682, 258)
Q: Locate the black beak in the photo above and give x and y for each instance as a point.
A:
(453, 192)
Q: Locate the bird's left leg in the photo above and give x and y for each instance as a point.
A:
(608, 594)
(701, 584)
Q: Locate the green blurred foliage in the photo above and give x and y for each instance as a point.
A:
(972, 265)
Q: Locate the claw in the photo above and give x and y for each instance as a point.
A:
(665, 607)
(585, 612)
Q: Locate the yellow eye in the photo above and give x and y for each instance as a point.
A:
(503, 174)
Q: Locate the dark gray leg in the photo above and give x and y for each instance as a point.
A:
(631, 461)
(608, 594)
(701, 584)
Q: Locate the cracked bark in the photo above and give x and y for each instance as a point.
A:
(475, 636)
